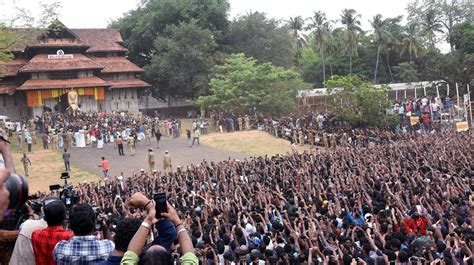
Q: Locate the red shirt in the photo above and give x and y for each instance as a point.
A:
(105, 165)
(45, 240)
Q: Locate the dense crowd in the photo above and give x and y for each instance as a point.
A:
(96, 129)
(404, 199)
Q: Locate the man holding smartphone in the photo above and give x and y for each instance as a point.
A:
(135, 248)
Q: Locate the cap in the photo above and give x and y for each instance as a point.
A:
(142, 170)
(166, 151)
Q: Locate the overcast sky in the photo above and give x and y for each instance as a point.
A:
(98, 13)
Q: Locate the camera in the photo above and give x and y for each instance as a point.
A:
(18, 188)
(67, 194)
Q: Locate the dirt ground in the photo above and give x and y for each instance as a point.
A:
(47, 165)
(46, 168)
(253, 143)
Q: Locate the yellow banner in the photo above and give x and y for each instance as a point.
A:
(414, 120)
(40, 98)
(462, 126)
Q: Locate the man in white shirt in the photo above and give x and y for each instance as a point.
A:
(23, 251)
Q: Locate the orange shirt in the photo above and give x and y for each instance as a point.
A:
(105, 165)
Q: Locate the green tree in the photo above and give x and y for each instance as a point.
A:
(449, 13)
(321, 34)
(411, 42)
(140, 27)
(22, 26)
(381, 37)
(261, 38)
(180, 67)
(358, 102)
(242, 84)
(462, 37)
(296, 25)
(351, 20)
(431, 24)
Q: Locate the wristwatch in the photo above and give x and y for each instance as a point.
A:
(146, 225)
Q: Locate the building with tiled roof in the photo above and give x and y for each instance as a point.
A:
(46, 66)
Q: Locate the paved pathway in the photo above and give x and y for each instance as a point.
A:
(181, 155)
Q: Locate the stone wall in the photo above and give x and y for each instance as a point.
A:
(14, 106)
(121, 99)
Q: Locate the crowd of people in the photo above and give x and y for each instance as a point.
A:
(404, 198)
(96, 129)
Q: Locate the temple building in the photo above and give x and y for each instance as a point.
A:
(47, 66)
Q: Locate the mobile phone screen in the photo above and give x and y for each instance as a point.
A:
(160, 204)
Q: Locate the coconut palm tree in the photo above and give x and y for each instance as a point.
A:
(431, 24)
(351, 20)
(296, 25)
(320, 30)
(411, 43)
(381, 37)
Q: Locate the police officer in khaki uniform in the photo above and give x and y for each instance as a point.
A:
(167, 163)
(151, 160)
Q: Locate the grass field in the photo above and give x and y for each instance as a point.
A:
(254, 143)
(46, 168)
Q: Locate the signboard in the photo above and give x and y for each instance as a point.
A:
(462, 126)
(466, 99)
(414, 120)
(60, 55)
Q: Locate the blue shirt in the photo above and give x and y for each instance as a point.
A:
(82, 250)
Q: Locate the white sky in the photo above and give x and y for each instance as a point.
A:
(98, 13)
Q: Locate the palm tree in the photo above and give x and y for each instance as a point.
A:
(381, 37)
(411, 42)
(351, 20)
(431, 24)
(296, 25)
(321, 33)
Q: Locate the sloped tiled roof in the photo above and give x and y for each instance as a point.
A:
(41, 63)
(128, 83)
(11, 67)
(98, 40)
(101, 40)
(35, 84)
(117, 65)
(7, 89)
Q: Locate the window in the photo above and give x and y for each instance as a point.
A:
(107, 77)
(119, 95)
(63, 75)
(4, 100)
(14, 98)
(128, 103)
(125, 97)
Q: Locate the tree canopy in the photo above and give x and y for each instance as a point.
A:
(242, 84)
(317, 48)
(358, 102)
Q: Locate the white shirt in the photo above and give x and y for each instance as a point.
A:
(23, 251)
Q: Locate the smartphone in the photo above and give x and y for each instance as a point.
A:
(160, 204)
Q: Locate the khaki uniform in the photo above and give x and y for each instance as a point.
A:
(325, 140)
(167, 163)
(131, 145)
(54, 141)
(69, 136)
(151, 161)
(311, 138)
(333, 141)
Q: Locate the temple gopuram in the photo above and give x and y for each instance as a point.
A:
(45, 68)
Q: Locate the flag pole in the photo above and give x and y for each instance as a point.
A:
(457, 95)
(469, 102)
